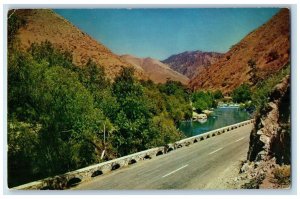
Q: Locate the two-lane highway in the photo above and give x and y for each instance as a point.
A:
(197, 166)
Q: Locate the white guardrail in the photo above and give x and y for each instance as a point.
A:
(72, 178)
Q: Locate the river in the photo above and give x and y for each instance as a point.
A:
(220, 117)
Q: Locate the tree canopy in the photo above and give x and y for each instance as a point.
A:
(58, 113)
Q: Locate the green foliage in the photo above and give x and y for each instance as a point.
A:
(133, 117)
(170, 87)
(178, 109)
(23, 74)
(23, 138)
(45, 52)
(218, 95)
(63, 100)
(263, 90)
(177, 99)
(163, 131)
(253, 71)
(14, 24)
(58, 113)
(241, 93)
(203, 100)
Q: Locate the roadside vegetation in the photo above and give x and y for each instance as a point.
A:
(263, 89)
(255, 98)
(62, 117)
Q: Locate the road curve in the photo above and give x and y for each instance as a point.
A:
(197, 166)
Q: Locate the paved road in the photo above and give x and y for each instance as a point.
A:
(197, 166)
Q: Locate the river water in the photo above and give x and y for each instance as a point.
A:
(220, 117)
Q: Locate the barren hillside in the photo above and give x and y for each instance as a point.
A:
(190, 62)
(267, 49)
(157, 71)
(45, 24)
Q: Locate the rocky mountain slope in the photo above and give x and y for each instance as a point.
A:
(261, 53)
(188, 63)
(45, 24)
(156, 71)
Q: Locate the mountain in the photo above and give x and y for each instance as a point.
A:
(157, 71)
(261, 53)
(188, 63)
(45, 24)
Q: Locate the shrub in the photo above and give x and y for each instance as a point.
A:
(282, 174)
(241, 94)
(252, 63)
(218, 94)
(273, 55)
(254, 182)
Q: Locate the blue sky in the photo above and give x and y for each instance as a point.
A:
(159, 33)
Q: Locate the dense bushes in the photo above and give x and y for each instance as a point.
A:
(204, 100)
(58, 113)
(14, 24)
(241, 93)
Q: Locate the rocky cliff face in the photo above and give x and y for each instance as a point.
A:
(268, 164)
(270, 136)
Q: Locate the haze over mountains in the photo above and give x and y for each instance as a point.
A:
(267, 47)
(188, 63)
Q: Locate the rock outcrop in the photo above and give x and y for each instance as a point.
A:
(269, 138)
(268, 164)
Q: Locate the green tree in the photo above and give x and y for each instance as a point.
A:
(14, 24)
(23, 139)
(163, 131)
(133, 117)
(93, 77)
(203, 100)
(218, 95)
(45, 52)
(253, 71)
(241, 93)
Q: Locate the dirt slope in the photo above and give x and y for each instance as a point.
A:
(45, 24)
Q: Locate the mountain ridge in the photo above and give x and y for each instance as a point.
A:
(157, 71)
(188, 63)
(67, 37)
(261, 53)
